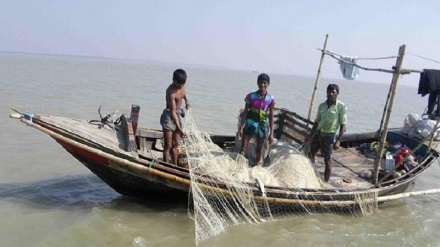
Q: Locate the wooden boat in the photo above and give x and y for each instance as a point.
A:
(128, 159)
(109, 154)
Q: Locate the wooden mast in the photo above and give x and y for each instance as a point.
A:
(318, 76)
(379, 131)
(383, 136)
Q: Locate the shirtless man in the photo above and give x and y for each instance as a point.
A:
(170, 118)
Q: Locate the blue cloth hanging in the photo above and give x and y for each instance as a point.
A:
(349, 71)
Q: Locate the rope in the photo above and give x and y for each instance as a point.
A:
(360, 58)
(356, 65)
(151, 164)
(429, 59)
(403, 71)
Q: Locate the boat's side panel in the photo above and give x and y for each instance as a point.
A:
(124, 179)
(140, 187)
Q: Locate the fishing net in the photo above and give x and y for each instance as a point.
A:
(227, 190)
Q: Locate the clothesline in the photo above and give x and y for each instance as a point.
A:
(333, 55)
(432, 60)
(362, 58)
(402, 70)
(390, 57)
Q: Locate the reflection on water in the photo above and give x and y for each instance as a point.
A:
(80, 191)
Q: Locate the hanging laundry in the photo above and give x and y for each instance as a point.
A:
(349, 71)
(429, 83)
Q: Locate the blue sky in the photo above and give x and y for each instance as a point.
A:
(266, 36)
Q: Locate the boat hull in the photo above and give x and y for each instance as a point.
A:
(130, 174)
(127, 181)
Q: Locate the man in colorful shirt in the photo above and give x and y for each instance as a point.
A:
(331, 116)
(257, 119)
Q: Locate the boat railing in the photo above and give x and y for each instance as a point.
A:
(291, 127)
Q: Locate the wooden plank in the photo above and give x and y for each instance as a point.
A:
(279, 123)
(151, 133)
(294, 128)
(134, 116)
(354, 161)
(348, 165)
(299, 117)
(128, 133)
(297, 120)
(291, 138)
(297, 134)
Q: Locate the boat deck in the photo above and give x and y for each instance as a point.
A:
(350, 168)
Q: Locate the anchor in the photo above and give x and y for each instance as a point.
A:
(105, 120)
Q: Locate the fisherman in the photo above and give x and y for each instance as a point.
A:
(331, 116)
(171, 116)
(257, 119)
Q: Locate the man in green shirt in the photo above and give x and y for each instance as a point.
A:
(331, 116)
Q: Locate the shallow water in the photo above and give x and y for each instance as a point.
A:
(48, 198)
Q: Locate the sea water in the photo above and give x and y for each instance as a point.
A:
(48, 198)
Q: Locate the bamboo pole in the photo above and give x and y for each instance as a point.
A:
(318, 76)
(383, 137)
(379, 132)
(15, 115)
(407, 194)
(433, 135)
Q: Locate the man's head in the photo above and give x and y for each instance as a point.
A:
(332, 92)
(263, 77)
(263, 82)
(332, 87)
(179, 76)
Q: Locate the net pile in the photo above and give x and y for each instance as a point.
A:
(227, 191)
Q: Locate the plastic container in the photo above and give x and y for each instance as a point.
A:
(388, 163)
